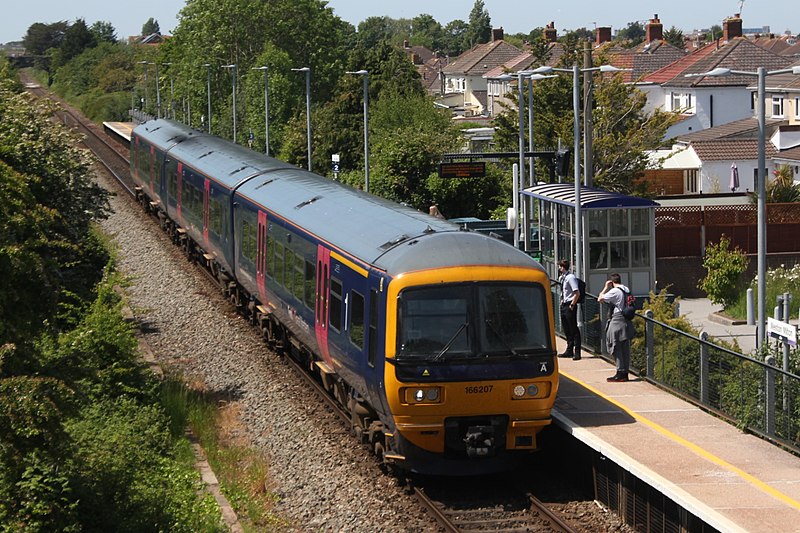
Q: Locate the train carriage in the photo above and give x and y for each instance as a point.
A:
(439, 341)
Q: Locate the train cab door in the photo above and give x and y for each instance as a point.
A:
(322, 303)
(261, 256)
(206, 205)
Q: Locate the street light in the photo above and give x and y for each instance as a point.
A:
(265, 68)
(145, 63)
(576, 131)
(171, 91)
(365, 75)
(761, 74)
(232, 68)
(308, 109)
(208, 94)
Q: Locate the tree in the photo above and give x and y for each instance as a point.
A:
(632, 34)
(103, 31)
(675, 37)
(150, 27)
(426, 31)
(479, 29)
(714, 33)
(724, 267)
(42, 37)
(783, 189)
(454, 38)
(76, 39)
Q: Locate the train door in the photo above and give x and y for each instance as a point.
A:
(206, 201)
(179, 199)
(261, 256)
(322, 304)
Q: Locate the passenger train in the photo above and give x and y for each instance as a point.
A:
(439, 341)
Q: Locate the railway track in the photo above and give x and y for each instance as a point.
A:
(465, 508)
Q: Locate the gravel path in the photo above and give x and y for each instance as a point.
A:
(325, 480)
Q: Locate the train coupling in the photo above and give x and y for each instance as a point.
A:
(480, 441)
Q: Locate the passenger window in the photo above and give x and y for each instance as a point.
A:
(373, 327)
(335, 319)
(279, 263)
(357, 319)
(310, 278)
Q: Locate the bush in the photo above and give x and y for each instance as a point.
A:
(723, 282)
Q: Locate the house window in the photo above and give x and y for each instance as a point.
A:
(682, 103)
(777, 106)
(690, 181)
(797, 107)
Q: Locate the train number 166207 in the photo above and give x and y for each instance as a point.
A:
(478, 389)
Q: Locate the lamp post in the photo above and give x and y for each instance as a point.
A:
(761, 73)
(158, 93)
(365, 76)
(208, 94)
(576, 133)
(308, 110)
(144, 106)
(265, 68)
(232, 68)
(171, 91)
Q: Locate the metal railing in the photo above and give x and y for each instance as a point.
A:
(756, 396)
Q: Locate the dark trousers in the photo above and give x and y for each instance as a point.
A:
(569, 319)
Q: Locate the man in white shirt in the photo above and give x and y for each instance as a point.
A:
(570, 294)
(619, 330)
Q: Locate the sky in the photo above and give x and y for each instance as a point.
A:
(514, 16)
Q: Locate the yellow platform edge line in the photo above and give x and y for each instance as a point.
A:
(693, 447)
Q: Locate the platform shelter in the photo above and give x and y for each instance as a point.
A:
(618, 234)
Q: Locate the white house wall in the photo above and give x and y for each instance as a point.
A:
(729, 104)
(715, 176)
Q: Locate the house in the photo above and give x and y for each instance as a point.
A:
(706, 102)
(703, 162)
(649, 56)
(465, 87)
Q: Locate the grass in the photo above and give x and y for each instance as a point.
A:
(243, 473)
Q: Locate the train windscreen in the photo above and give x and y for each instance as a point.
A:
(476, 320)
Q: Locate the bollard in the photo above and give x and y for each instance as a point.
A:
(649, 332)
(704, 368)
(751, 313)
(769, 398)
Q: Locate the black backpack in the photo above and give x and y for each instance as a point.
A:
(628, 310)
(582, 289)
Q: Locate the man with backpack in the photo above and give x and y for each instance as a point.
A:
(619, 328)
(570, 296)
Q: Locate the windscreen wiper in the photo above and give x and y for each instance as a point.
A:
(451, 341)
(502, 339)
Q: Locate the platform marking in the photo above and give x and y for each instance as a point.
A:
(693, 447)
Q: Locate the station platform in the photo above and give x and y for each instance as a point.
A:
(120, 131)
(731, 480)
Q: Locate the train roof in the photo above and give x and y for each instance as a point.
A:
(387, 235)
(217, 158)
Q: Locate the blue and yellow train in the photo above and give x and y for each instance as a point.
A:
(439, 341)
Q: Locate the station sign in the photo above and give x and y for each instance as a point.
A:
(471, 169)
(782, 331)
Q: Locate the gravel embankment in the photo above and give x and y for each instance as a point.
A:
(324, 479)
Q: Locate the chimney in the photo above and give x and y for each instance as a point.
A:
(732, 28)
(550, 34)
(497, 34)
(602, 35)
(655, 30)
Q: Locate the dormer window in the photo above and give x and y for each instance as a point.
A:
(682, 103)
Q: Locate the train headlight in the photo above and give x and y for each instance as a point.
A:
(525, 391)
(415, 395)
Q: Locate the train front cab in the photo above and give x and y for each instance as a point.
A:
(471, 369)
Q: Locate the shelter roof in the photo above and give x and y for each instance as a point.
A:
(591, 198)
